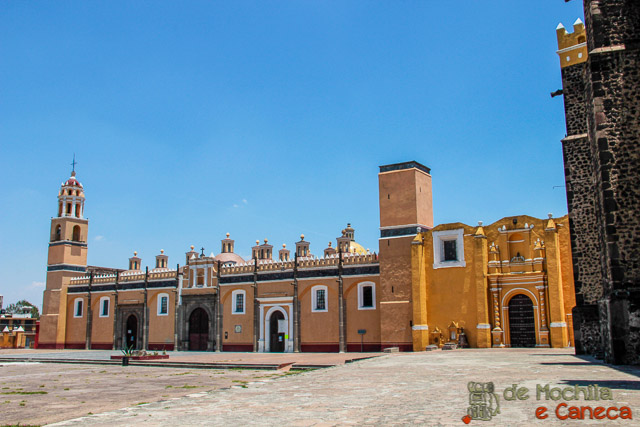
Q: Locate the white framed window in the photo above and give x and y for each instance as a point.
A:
(78, 307)
(319, 302)
(104, 306)
(366, 296)
(448, 248)
(163, 304)
(238, 301)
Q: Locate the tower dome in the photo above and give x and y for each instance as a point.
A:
(71, 198)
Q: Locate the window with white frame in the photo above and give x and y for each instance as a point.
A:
(163, 304)
(77, 307)
(366, 296)
(319, 299)
(448, 248)
(104, 307)
(238, 301)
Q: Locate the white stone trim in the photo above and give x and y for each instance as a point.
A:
(558, 325)
(265, 327)
(271, 299)
(420, 327)
(314, 299)
(483, 326)
(100, 306)
(439, 237)
(360, 296)
(395, 302)
(75, 307)
(234, 296)
(159, 304)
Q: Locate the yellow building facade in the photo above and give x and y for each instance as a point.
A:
(345, 298)
(508, 284)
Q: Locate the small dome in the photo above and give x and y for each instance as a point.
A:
(226, 257)
(72, 181)
(357, 248)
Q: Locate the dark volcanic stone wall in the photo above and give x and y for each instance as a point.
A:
(612, 96)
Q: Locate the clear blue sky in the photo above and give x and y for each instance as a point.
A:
(268, 119)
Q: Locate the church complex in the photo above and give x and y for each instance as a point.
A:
(507, 284)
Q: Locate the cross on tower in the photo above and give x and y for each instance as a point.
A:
(74, 163)
(202, 249)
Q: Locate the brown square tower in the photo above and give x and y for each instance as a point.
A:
(406, 208)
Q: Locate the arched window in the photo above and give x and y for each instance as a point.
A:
(104, 307)
(78, 210)
(319, 299)
(58, 234)
(77, 307)
(163, 304)
(366, 296)
(76, 233)
(238, 301)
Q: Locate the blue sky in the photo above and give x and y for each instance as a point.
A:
(268, 119)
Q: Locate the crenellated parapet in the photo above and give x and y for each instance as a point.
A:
(303, 263)
(127, 276)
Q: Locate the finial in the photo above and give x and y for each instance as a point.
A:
(302, 237)
(135, 253)
(73, 165)
(257, 242)
(192, 247)
(284, 245)
(329, 244)
(479, 223)
(265, 241)
(550, 215)
(228, 235)
(162, 251)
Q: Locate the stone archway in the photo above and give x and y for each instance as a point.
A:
(131, 329)
(198, 330)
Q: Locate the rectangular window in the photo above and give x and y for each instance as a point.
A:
(239, 303)
(164, 305)
(79, 308)
(105, 307)
(367, 296)
(450, 250)
(321, 303)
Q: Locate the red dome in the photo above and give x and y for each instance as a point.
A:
(73, 181)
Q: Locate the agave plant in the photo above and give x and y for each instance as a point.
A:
(127, 351)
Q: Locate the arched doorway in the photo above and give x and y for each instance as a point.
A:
(276, 338)
(198, 330)
(522, 328)
(131, 332)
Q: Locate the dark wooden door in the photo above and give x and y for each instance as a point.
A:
(276, 344)
(522, 328)
(198, 330)
(131, 332)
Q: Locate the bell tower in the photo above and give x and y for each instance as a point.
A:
(67, 258)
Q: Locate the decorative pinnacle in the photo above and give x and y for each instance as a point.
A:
(135, 253)
(550, 215)
(302, 237)
(479, 223)
(284, 245)
(192, 247)
(162, 251)
(265, 241)
(228, 235)
(257, 242)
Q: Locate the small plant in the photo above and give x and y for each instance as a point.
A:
(127, 351)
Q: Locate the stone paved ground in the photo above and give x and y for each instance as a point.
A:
(413, 388)
(194, 356)
(38, 393)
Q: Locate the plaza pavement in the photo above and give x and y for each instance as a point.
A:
(397, 389)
